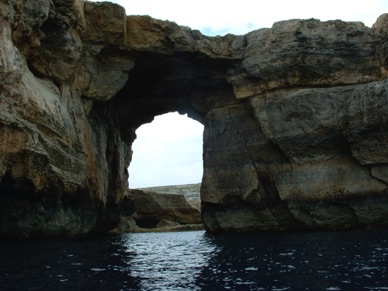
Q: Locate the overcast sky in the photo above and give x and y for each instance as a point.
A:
(168, 151)
(239, 17)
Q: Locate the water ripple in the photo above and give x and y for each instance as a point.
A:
(355, 260)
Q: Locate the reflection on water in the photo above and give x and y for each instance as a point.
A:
(168, 260)
(354, 260)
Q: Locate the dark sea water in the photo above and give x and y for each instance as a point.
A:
(351, 260)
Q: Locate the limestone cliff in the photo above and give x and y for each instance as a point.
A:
(295, 117)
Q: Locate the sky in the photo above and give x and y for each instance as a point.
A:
(239, 17)
(168, 151)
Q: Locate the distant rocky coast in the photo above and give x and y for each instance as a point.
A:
(164, 208)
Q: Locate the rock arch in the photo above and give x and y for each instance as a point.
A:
(294, 115)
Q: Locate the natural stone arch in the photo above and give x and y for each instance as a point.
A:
(284, 144)
(188, 84)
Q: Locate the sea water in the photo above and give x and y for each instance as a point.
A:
(350, 260)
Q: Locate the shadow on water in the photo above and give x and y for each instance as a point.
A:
(73, 264)
(349, 260)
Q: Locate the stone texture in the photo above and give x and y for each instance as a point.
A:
(307, 53)
(190, 191)
(295, 128)
(152, 208)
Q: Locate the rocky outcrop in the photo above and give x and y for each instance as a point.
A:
(295, 128)
(192, 192)
(161, 209)
(155, 209)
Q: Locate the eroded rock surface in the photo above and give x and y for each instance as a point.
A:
(295, 117)
(192, 192)
(152, 208)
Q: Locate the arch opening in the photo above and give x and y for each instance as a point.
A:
(188, 84)
(167, 151)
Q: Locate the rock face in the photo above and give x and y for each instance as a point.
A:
(192, 192)
(152, 208)
(295, 126)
